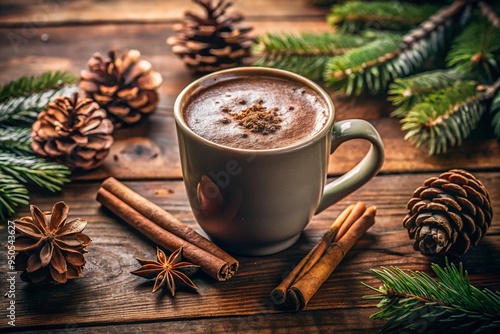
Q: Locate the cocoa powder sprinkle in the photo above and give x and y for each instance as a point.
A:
(257, 118)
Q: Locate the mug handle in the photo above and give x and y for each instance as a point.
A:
(365, 170)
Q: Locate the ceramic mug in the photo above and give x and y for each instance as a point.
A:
(257, 202)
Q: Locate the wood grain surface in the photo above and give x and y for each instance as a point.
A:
(108, 293)
(37, 36)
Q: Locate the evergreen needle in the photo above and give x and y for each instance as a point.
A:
(24, 110)
(404, 93)
(31, 170)
(414, 301)
(476, 51)
(445, 117)
(20, 103)
(307, 53)
(25, 86)
(12, 194)
(15, 140)
(353, 16)
(366, 68)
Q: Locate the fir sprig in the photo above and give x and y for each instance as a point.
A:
(15, 140)
(308, 53)
(25, 86)
(358, 15)
(20, 103)
(445, 117)
(414, 301)
(12, 194)
(476, 50)
(30, 170)
(370, 67)
(23, 110)
(404, 93)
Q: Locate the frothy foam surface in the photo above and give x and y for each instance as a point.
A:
(289, 113)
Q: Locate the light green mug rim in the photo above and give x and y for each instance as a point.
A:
(254, 70)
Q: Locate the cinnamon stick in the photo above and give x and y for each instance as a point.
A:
(278, 295)
(213, 265)
(302, 291)
(167, 221)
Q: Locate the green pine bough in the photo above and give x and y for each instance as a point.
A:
(356, 16)
(404, 93)
(476, 51)
(20, 103)
(25, 86)
(367, 68)
(412, 301)
(459, 42)
(16, 140)
(444, 118)
(23, 110)
(307, 53)
(12, 195)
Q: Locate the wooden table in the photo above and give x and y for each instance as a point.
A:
(62, 35)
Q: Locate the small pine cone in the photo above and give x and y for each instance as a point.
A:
(449, 214)
(211, 43)
(50, 248)
(74, 131)
(125, 87)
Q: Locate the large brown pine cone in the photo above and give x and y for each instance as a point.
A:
(216, 41)
(74, 131)
(50, 248)
(125, 87)
(449, 214)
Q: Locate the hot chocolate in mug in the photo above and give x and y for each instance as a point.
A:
(254, 145)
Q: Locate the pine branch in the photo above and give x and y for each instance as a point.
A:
(308, 53)
(366, 68)
(445, 118)
(495, 111)
(23, 110)
(476, 51)
(394, 15)
(31, 170)
(12, 195)
(404, 93)
(489, 13)
(26, 86)
(372, 67)
(413, 301)
(15, 140)
(433, 36)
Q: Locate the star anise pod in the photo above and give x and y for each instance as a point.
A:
(49, 248)
(167, 271)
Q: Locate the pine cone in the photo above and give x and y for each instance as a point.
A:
(217, 41)
(125, 87)
(73, 131)
(449, 214)
(49, 248)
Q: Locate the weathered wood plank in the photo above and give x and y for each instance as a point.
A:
(99, 297)
(329, 321)
(58, 12)
(149, 150)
